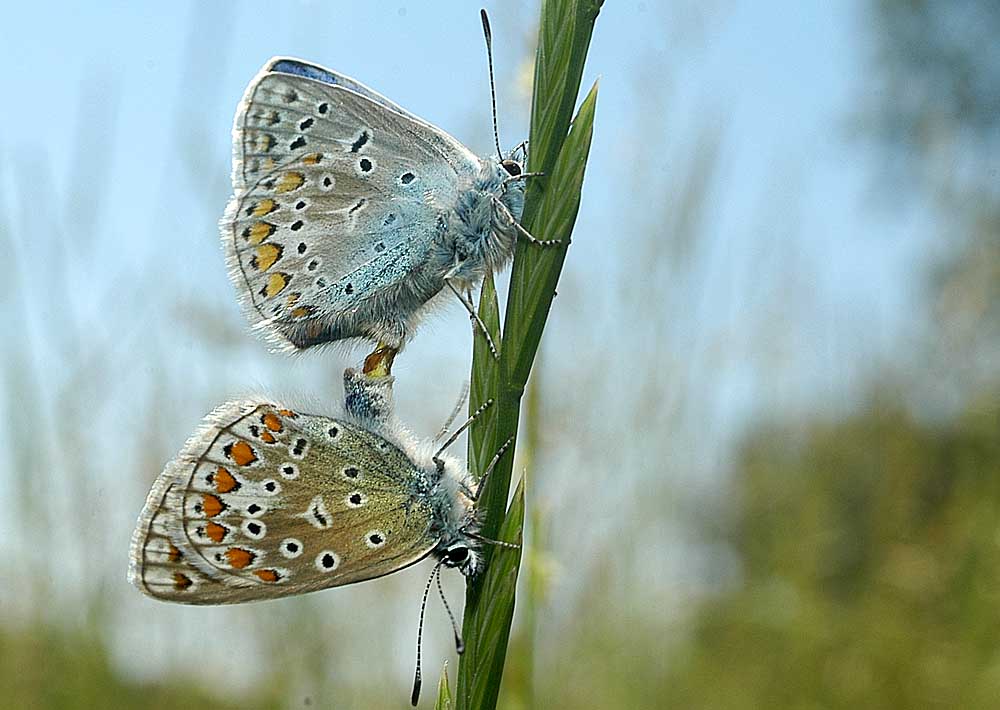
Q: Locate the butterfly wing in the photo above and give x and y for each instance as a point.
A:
(339, 195)
(265, 502)
(288, 65)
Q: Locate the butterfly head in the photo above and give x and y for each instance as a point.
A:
(455, 517)
(512, 167)
(460, 554)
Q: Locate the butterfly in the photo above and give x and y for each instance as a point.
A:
(350, 214)
(266, 502)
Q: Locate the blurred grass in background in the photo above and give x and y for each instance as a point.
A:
(843, 554)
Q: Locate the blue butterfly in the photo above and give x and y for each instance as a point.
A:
(350, 214)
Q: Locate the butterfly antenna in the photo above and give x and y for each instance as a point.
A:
(417, 677)
(493, 90)
(459, 643)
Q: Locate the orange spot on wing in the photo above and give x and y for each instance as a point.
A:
(173, 554)
(302, 311)
(258, 232)
(271, 421)
(212, 505)
(275, 284)
(225, 482)
(241, 452)
(313, 159)
(287, 413)
(238, 557)
(268, 575)
(266, 256)
(290, 181)
(181, 582)
(216, 532)
(264, 207)
(267, 437)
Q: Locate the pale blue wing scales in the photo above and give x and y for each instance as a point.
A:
(289, 65)
(339, 193)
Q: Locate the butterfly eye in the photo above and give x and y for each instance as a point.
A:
(512, 167)
(458, 555)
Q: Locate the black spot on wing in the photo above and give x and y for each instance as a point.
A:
(360, 142)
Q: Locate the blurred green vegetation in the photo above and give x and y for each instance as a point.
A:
(869, 558)
(49, 667)
(867, 575)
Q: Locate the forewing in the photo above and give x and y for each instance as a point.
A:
(338, 194)
(265, 502)
(289, 65)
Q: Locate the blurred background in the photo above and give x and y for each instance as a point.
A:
(762, 439)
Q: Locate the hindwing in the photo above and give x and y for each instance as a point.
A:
(266, 502)
(338, 196)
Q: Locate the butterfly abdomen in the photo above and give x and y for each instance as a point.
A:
(387, 315)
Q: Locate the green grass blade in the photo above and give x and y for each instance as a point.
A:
(565, 29)
(551, 206)
(444, 692)
(534, 276)
(533, 280)
(487, 623)
(485, 378)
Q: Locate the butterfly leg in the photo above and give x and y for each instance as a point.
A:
(468, 422)
(492, 465)
(522, 176)
(514, 178)
(477, 322)
(521, 230)
(534, 240)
